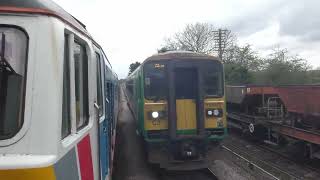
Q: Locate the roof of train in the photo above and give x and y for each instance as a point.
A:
(177, 55)
(180, 55)
(45, 7)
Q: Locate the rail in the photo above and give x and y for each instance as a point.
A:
(259, 164)
(211, 172)
(310, 167)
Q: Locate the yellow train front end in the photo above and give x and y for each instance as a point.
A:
(184, 113)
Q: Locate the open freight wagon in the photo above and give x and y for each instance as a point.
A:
(270, 112)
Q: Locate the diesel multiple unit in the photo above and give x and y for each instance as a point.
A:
(179, 104)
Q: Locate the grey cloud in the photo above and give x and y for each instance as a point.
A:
(301, 19)
(248, 25)
(257, 18)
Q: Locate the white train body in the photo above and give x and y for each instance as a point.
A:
(63, 127)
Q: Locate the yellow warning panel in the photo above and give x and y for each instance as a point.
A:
(186, 114)
(159, 123)
(28, 174)
(216, 103)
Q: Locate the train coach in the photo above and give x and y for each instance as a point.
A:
(178, 102)
(58, 96)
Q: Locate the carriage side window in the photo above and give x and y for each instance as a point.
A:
(66, 118)
(110, 103)
(213, 79)
(13, 59)
(129, 86)
(99, 85)
(81, 84)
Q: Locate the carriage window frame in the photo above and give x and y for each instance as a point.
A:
(130, 86)
(66, 99)
(75, 126)
(10, 138)
(215, 68)
(82, 116)
(100, 80)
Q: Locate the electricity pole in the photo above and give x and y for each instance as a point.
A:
(220, 41)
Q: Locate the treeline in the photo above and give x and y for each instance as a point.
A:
(245, 66)
(242, 64)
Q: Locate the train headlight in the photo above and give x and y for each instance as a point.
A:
(152, 115)
(155, 114)
(214, 112)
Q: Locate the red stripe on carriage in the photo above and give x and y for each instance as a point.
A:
(85, 158)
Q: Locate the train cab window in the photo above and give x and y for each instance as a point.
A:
(99, 85)
(213, 79)
(81, 84)
(13, 59)
(155, 82)
(66, 118)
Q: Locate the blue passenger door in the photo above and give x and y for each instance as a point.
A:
(103, 126)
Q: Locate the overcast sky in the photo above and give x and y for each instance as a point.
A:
(132, 30)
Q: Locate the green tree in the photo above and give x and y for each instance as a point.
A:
(243, 56)
(166, 49)
(314, 76)
(240, 63)
(133, 66)
(282, 68)
(237, 75)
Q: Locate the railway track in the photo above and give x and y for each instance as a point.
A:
(270, 163)
(259, 166)
(203, 174)
(212, 173)
(306, 164)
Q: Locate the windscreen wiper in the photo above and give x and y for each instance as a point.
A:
(4, 64)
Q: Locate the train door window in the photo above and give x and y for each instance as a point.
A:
(107, 100)
(186, 83)
(112, 104)
(99, 85)
(110, 107)
(13, 60)
(66, 118)
(81, 84)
